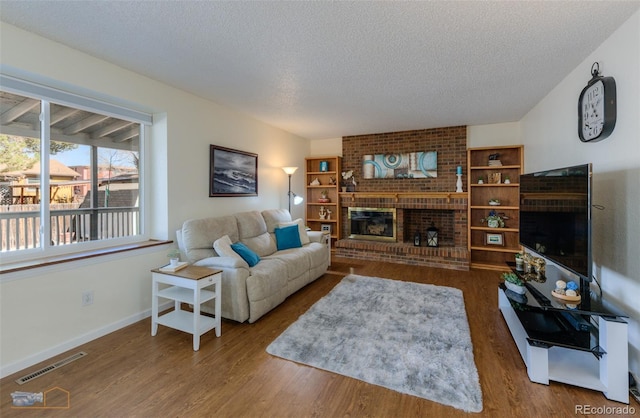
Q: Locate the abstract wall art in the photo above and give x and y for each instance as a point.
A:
(412, 165)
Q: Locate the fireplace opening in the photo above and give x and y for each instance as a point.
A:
(376, 224)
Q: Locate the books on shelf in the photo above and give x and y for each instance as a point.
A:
(172, 269)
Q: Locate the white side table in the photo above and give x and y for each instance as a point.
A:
(193, 285)
(326, 239)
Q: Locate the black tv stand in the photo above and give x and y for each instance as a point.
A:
(577, 321)
(558, 341)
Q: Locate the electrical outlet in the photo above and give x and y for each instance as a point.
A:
(87, 298)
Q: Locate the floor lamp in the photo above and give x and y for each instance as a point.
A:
(296, 199)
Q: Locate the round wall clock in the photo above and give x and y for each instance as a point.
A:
(597, 107)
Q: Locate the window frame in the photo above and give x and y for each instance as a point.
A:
(47, 95)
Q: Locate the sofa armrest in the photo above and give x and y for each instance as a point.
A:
(222, 262)
(315, 236)
(235, 304)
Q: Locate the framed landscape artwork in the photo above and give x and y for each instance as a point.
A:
(232, 172)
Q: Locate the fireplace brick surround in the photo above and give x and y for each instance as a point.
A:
(418, 201)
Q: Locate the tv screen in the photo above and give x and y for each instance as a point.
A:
(555, 216)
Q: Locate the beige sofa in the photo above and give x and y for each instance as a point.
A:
(250, 292)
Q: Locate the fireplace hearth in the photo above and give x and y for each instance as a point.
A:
(368, 235)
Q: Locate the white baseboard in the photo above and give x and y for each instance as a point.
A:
(78, 341)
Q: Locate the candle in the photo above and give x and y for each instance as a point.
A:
(459, 170)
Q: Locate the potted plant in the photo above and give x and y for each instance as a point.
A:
(493, 220)
(174, 257)
(519, 262)
(346, 176)
(514, 283)
(324, 197)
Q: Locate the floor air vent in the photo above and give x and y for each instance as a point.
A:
(50, 368)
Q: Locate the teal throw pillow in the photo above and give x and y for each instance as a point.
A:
(245, 252)
(288, 237)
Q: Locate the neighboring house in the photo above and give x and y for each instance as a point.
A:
(117, 174)
(116, 192)
(25, 184)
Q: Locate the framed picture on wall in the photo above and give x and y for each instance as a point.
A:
(232, 172)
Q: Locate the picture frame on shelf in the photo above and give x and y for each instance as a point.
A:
(325, 228)
(495, 178)
(493, 238)
(232, 173)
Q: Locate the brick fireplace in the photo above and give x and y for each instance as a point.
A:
(418, 202)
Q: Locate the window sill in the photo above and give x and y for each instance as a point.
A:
(51, 261)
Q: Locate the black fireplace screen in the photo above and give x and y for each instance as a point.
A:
(377, 224)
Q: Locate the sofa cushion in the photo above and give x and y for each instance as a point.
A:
(253, 233)
(245, 252)
(288, 237)
(296, 261)
(266, 287)
(250, 224)
(302, 230)
(275, 217)
(198, 235)
(223, 248)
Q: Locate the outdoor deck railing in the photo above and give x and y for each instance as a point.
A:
(20, 229)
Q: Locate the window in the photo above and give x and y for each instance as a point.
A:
(91, 195)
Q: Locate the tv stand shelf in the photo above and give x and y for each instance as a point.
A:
(585, 345)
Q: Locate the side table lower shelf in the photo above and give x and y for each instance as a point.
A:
(184, 321)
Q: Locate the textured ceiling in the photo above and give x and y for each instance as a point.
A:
(330, 69)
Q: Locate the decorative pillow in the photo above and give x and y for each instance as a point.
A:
(249, 256)
(302, 230)
(287, 237)
(223, 247)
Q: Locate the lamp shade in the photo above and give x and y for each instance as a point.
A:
(289, 170)
(297, 200)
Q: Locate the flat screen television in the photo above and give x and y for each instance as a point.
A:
(555, 217)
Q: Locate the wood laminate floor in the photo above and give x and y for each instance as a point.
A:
(129, 373)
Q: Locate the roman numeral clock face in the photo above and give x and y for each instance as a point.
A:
(593, 111)
(597, 109)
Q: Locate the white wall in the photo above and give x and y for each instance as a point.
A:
(551, 140)
(40, 311)
(492, 135)
(326, 147)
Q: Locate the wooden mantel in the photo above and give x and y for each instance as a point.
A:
(404, 195)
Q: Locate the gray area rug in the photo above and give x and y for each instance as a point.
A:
(409, 337)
